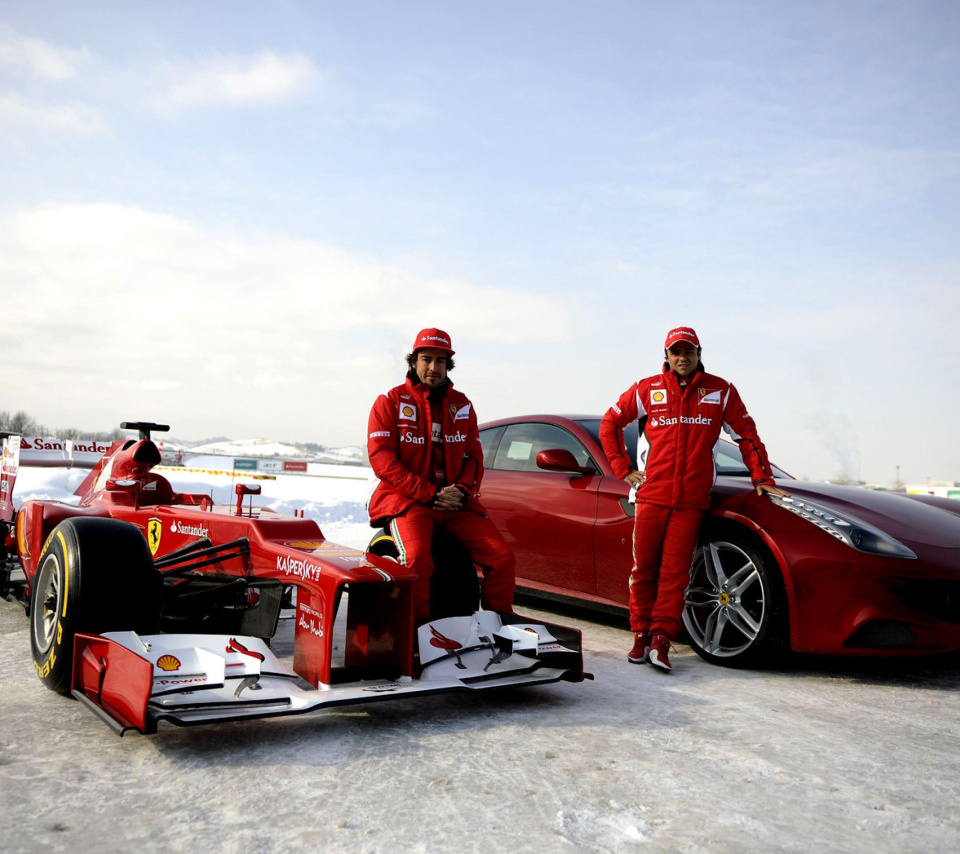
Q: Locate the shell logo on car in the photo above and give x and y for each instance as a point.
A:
(168, 663)
(307, 545)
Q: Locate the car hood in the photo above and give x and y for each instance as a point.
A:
(898, 515)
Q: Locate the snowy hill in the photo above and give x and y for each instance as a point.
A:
(351, 455)
(245, 448)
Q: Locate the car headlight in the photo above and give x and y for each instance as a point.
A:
(856, 534)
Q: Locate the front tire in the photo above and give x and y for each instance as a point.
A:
(95, 575)
(735, 612)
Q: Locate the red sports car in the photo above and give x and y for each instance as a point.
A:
(833, 569)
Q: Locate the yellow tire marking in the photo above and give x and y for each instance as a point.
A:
(66, 573)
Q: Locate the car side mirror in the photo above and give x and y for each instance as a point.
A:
(560, 459)
(131, 487)
(245, 489)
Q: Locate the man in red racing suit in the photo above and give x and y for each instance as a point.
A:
(681, 413)
(424, 447)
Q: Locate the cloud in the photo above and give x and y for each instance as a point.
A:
(18, 115)
(122, 310)
(38, 58)
(105, 251)
(264, 79)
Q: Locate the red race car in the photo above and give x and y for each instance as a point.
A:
(833, 569)
(148, 604)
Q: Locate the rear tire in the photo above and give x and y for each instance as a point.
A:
(736, 613)
(95, 575)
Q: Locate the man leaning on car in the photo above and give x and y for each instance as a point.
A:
(681, 412)
(425, 449)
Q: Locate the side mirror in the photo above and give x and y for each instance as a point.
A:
(131, 487)
(561, 460)
(245, 489)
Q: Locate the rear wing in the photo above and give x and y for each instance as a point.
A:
(47, 452)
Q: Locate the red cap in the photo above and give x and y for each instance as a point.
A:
(681, 333)
(434, 338)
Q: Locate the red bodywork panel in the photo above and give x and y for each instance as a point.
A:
(123, 689)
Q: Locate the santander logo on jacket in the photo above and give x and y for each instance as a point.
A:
(679, 429)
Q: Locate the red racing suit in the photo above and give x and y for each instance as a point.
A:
(399, 442)
(402, 444)
(681, 425)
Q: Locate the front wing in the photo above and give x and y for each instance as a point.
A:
(133, 682)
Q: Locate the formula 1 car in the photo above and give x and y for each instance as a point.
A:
(150, 605)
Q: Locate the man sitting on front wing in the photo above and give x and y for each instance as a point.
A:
(424, 447)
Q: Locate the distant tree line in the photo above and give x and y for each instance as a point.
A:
(22, 423)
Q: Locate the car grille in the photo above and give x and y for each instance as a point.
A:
(936, 598)
(881, 634)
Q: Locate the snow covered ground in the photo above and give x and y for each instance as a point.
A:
(818, 755)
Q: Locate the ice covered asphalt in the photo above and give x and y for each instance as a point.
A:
(818, 756)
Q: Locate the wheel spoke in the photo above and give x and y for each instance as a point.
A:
(713, 629)
(713, 566)
(742, 621)
(698, 597)
(742, 580)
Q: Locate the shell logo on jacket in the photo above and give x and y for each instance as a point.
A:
(680, 426)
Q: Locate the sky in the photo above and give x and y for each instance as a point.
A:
(233, 217)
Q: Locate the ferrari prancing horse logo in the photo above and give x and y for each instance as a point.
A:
(154, 530)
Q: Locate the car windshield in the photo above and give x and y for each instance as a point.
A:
(729, 460)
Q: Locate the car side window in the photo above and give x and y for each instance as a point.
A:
(521, 443)
(488, 442)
